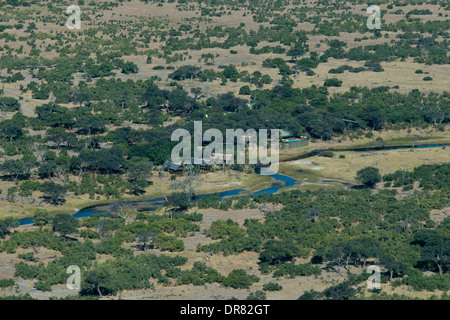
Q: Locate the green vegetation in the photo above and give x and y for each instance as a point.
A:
(86, 116)
(5, 283)
(429, 177)
(271, 286)
(369, 176)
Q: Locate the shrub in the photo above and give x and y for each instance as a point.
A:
(311, 295)
(43, 286)
(168, 243)
(419, 282)
(368, 176)
(239, 279)
(327, 154)
(294, 270)
(29, 256)
(257, 295)
(272, 286)
(199, 275)
(408, 187)
(5, 283)
(332, 83)
(245, 90)
(334, 71)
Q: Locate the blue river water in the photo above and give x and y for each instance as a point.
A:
(288, 182)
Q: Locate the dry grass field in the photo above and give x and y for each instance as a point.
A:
(311, 173)
(387, 161)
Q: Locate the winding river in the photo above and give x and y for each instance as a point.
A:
(152, 205)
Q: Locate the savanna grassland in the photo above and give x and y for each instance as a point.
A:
(86, 118)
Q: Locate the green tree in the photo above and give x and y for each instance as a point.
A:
(245, 90)
(239, 279)
(393, 266)
(6, 225)
(341, 291)
(129, 67)
(257, 295)
(179, 200)
(368, 176)
(296, 51)
(332, 83)
(13, 168)
(41, 217)
(144, 237)
(311, 295)
(64, 224)
(435, 249)
(140, 171)
(11, 130)
(96, 281)
(279, 251)
(54, 193)
(91, 124)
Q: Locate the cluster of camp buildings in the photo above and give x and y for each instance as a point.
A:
(202, 164)
(287, 141)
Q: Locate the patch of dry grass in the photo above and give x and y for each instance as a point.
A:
(387, 161)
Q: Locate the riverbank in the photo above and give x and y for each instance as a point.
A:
(344, 165)
(310, 173)
(278, 182)
(385, 139)
(210, 182)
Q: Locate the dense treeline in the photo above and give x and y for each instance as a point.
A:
(339, 229)
(430, 177)
(114, 152)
